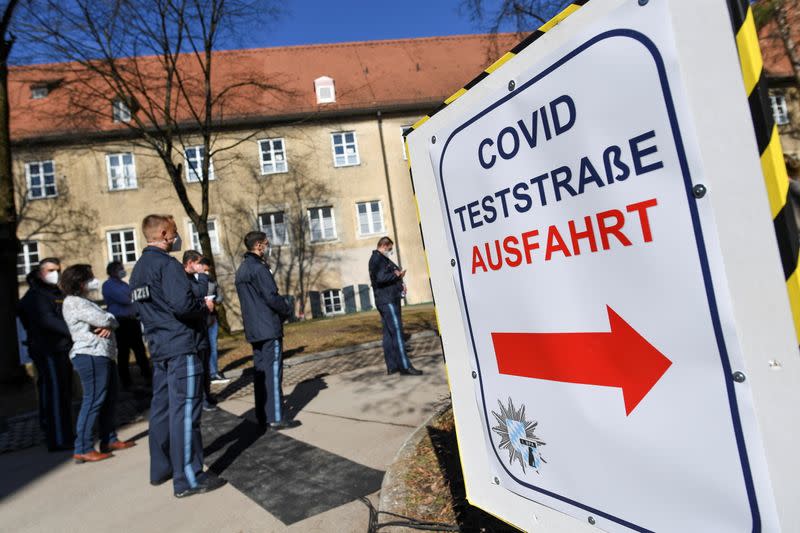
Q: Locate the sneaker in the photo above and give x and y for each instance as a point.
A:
(210, 407)
(219, 378)
(207, 483)
(283, 424)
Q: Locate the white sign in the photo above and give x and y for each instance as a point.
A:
(592, 289)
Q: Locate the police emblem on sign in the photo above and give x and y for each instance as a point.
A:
(517, 435)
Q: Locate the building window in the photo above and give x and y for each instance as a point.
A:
(212, 234)
(370, 217)
(122, 245)
(39, 91)
(326, 92)
(41, 176)
(273, 156)
(121, 171)
(345, 149)
(779, 110)
(27, 257)
(403, 140)
(274, 225)
(332, 302)
(120, 112)
(194, 164)
(322, 224)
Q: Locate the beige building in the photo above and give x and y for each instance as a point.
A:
(324, 174)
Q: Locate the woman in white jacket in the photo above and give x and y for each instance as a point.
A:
(93, 355)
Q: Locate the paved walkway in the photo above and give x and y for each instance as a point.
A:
(321, 476)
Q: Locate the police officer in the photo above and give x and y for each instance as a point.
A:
(263, 313)
(388, 288)
(49, 342)
(172, 317)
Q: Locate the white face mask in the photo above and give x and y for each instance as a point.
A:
(388, 253)
(52, 277)
(93, 284)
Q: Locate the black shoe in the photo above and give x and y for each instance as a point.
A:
(161, 481)
(392, 371)
(207, 484)
(283, 424)
(411, 371)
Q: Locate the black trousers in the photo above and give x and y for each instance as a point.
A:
(129, 337)
(267, 382)
(205, 356)
(54, 383)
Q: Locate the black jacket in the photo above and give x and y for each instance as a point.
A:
(386, 285)
(172, 316)
(263, 309)
(200, 290)
(40, 313)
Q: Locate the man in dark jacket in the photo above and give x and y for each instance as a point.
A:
(263, 313)
(388, 288)
(49, 342)
(196, 274)
(117, 295)
(173, 319)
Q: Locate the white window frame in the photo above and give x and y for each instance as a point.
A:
(25, 254)
(194, 175)
(333, 225)
(42, 176)
(322, 83)
(270, 230)
(131, 180)
(403, 141)
(124, 258)
(194, 235)
(332, 293)
(120, 111)
(39, 91)
(372, 229)
(345, 144)
(780, 111)
(269, 144)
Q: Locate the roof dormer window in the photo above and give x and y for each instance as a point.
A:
(326, 93)
(120, 112)
(39, 91)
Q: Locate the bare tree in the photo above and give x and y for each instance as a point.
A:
(296, 262)
(520, 16)
(780, 19)
(10, 369)
(150, 65)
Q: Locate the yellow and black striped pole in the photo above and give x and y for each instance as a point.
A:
(567, 11)
(776, 179)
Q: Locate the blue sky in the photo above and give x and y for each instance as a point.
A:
(318, 21)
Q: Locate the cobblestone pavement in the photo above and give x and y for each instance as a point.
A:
(23, 431)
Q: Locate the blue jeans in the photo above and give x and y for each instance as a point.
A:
(213, 334)
(99, 382)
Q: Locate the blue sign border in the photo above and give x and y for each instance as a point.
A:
(698, 232)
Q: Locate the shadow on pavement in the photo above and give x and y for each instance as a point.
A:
(21, 468)
(303, 393)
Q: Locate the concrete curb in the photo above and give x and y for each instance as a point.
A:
(393, 488)
(299, 360)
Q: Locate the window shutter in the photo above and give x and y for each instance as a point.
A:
(349, 299)
(316, 304)
(363, 295)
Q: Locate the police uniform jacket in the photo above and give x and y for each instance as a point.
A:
(40, 313)
(386, 285)
(263, 309)
(172, 316)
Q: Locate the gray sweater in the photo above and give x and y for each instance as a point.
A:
(83, 317)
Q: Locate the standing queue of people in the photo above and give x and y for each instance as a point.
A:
(174, 303)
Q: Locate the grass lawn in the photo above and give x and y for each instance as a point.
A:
(312, 336)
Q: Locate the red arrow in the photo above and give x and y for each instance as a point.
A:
(619, 358)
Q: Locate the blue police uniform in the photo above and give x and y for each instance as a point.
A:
(388, 290)
(173, 319)
(263, 313)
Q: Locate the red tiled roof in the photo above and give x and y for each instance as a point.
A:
(367, 75)
(776, 60)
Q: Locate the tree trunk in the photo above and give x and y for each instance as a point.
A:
(207, 251)
(10, 369)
